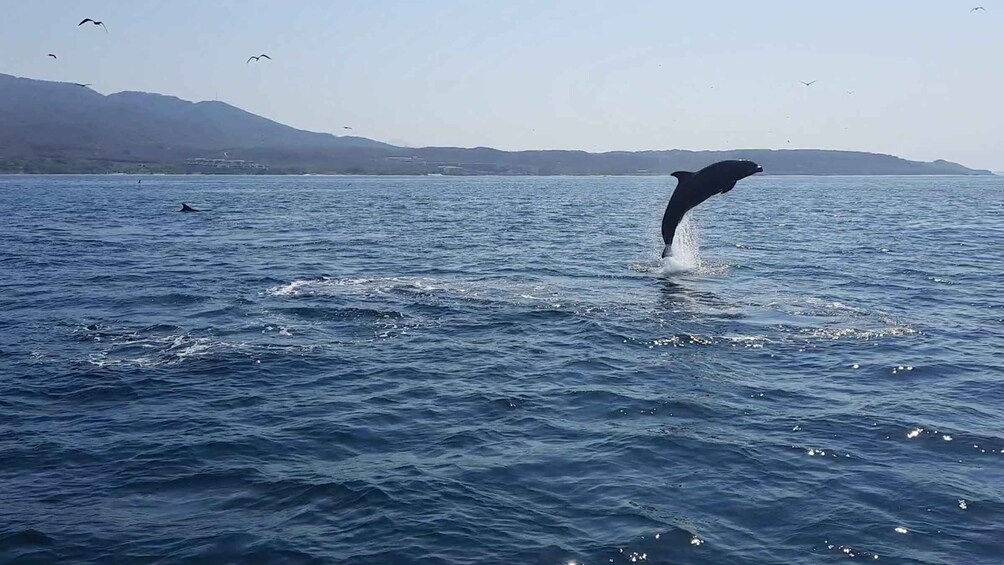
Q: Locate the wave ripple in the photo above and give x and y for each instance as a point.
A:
(499, 370)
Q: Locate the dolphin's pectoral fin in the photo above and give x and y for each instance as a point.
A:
(729, 187)
(682, 176)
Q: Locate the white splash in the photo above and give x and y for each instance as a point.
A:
(685, 253)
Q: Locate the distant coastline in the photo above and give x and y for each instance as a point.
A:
(474, 162)
(62, 128)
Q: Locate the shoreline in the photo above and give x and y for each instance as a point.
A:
(405, 175)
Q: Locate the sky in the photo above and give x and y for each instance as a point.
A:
(916, 78)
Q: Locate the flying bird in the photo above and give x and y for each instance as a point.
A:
(95, 22)
(82, 85)
(346, 127)
(53, 56)
(978, 8)
(810, 83)
(256, 57)
(850, 92)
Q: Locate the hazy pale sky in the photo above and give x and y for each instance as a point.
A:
(925, 75)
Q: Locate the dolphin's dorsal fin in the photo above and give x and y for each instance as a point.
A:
(682, 176)
(730, 186)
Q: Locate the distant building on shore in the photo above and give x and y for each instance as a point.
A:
(225, 164)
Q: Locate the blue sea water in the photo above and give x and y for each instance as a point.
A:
(500, 370)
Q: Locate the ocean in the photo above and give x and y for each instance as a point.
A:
(447, 370)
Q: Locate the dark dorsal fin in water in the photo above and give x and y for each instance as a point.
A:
(187, 208)
(729, 187)
(682, 176)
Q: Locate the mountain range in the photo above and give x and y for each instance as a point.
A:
(56, 127)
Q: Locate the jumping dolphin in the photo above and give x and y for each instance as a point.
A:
(694, 188)
(187, 208)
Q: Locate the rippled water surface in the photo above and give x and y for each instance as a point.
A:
(500, 370)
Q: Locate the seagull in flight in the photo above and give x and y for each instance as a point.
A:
(82, 85)
(53, 56)
(810, 83)
(346, 127)
(978, 8)
(850, 92)
(257, 57)
(95, 22)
